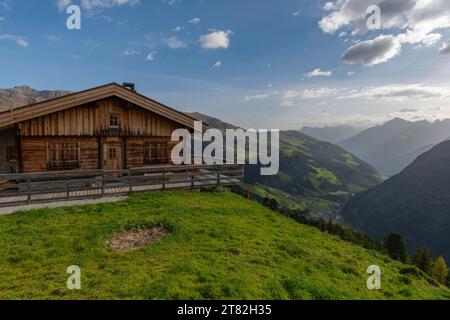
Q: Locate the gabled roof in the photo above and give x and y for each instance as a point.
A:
(10, 117)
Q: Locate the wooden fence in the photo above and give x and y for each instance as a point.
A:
(22, 189)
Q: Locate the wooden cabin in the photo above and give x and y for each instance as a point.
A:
(110, 127)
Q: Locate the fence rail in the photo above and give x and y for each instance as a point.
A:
(28, 188)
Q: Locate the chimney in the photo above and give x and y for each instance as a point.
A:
(130, 86)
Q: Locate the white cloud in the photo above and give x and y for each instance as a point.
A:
(400, 92)
(410, 21)
(63, 4)
(151, 56)
(131, 52)
(296, 13)
(177, 29)
(20, 41)
(445, 48)
(216, 40)
(218, 64)
(175, 43)
(195, 21)
(256, 97)
(372, 52)
(332, 6)
(75, 56)
(318, 73)
(291, 98)
(96, 4)
(172, 3)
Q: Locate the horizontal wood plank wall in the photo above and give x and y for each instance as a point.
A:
(93, 119)
(35, 152)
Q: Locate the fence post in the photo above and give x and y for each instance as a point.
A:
(29, 191)
(130, 184)
(164, 179)
(103, 183)
(218, 179)
(192, 179)
(67, 188)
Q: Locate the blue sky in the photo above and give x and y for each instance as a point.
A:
(256, 63)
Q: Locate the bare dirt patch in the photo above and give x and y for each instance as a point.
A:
(128, 240)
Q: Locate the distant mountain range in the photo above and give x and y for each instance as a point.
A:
(391, 147)
(332, 134)
(23, 95)
(414, 203)
(313, 174)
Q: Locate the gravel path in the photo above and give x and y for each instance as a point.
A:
(10, 210)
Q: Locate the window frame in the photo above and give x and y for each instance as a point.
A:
(114, 121)
(112, 153)
(156, 152)
(11, 156)
(63, 155)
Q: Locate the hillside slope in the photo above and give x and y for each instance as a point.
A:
(313, 174)
(415, 203)
(220, 246)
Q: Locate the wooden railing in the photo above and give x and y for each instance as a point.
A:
(21, 189)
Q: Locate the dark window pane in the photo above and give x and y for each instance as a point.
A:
(155, 153)
(63, 156)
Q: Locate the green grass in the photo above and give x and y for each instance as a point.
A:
(220, 246)
(321, 176)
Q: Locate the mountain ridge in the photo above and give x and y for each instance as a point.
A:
(333, 134)
(392, 146)
(313, 174)
(24, 95)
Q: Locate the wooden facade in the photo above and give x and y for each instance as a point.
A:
(108, 127)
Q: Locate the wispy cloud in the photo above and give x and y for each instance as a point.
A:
(20, 41)
(151, 56)
(63, 4)
(445, 48)
(218, 64)
(96, 4)
(291, 98)
(400, 92)
(175, 43)
(195, 21)
(318, 73)
(256, 97)
(131, 52)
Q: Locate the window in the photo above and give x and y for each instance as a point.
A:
(112, 153)
(63, 155)
(156, 153)
(113, 120)
(11, 154)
